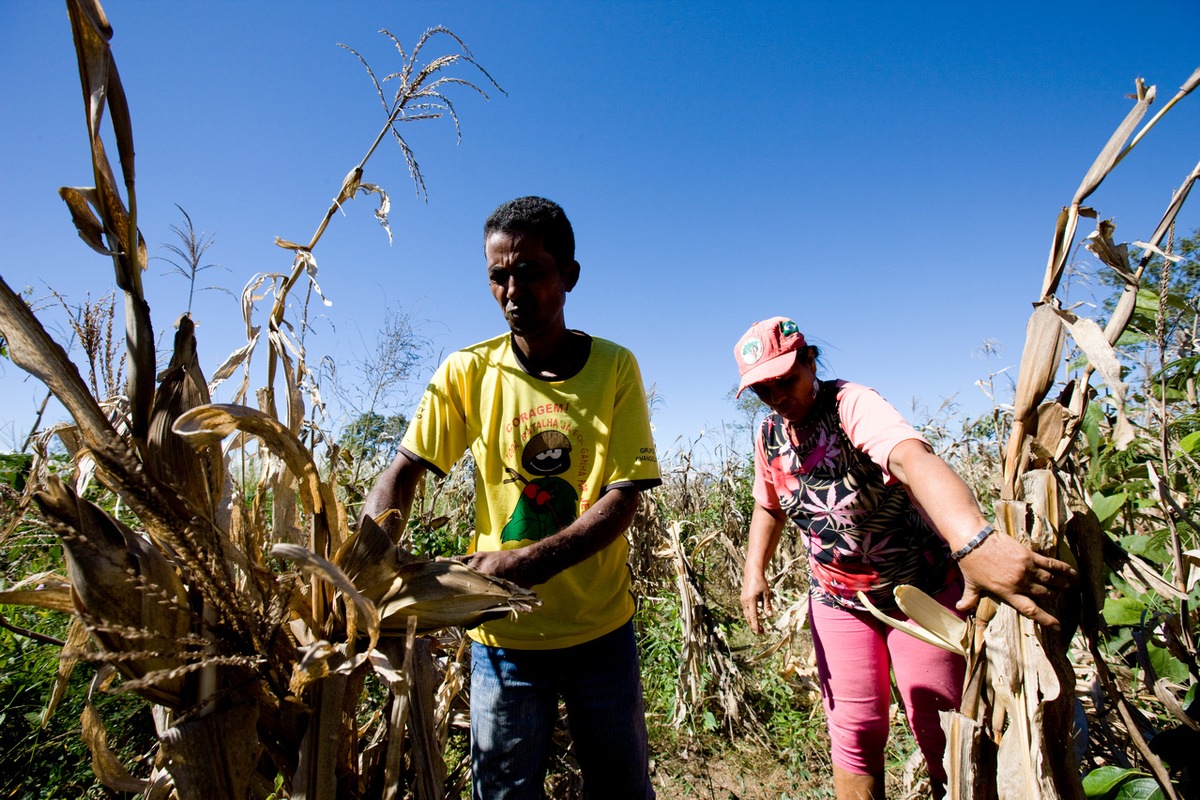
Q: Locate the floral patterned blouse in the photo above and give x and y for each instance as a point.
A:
(858, 524)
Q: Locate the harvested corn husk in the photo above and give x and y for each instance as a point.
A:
(929, 620)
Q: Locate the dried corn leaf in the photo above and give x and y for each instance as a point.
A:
(102, 88)
(1093, 342)
(1040, 359)
(86, 223)
(280, 346)
(350, 185)
(964, 743)
(1166, 692)
(371, 560)
(1139, 573)
(1087, 538)
(77, 640)
(1113, 148)
(438, 594)
(1168, 217)
(207, 425)
(121, 584)
(1100, 243)
(933, 617)
(199, 476)
(230, 364)
(1040, 489)
(329, 572)
(107, 768)
(1054, 430)
(453, 684)
(52, 596)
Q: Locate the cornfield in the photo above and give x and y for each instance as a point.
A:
(211, 567)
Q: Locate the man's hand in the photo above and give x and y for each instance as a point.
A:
(540, 561)
(1013, 573)
(511, 565)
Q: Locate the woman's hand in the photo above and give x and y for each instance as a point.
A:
(1001, 566)
(755, 592)
(765, 527)
(1013, 573)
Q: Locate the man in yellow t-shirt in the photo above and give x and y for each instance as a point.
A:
(558, 425)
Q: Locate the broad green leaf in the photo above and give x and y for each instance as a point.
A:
(1139, 789)
(1166, 665)
(1153, 548)
(1173, 395)
(1091, 428)
(1101, 781)
(1106, 506)
(1147, 302)
(1190, 443)
(1131, 337)
(1123, 611)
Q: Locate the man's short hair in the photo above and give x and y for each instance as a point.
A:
(536, 215)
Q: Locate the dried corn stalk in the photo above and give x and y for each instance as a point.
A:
(256, 668)
(1011, 738)
(706, 670)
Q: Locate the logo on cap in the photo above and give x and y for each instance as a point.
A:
(788, 328)
(752, 350)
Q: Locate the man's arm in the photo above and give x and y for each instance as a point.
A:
(537, 563)
(394, 489)
(1001, 565)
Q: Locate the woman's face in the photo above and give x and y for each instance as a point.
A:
(792, 394)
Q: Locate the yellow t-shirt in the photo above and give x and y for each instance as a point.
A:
(545, 451)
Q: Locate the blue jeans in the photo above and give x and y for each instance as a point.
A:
(514, 706)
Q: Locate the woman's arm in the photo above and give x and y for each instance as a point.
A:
(1001, 566)
(765, 527)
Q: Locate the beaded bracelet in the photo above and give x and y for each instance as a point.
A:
(965, 550)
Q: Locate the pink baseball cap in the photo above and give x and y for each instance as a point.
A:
(767, 351)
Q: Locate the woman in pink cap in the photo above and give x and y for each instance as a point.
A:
(876, 509)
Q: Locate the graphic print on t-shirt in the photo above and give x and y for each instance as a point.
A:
(547, 503)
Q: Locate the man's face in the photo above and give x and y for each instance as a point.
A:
(527, 283)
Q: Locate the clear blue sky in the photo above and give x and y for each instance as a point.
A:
(886, 173)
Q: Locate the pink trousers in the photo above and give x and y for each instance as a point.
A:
(854, 654)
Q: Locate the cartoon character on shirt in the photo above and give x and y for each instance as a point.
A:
(547, 503)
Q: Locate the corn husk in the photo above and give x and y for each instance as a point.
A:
(443, 594)
(928, 620)
(439, 594)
